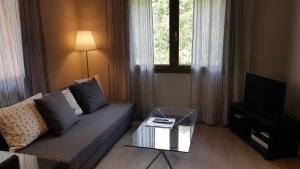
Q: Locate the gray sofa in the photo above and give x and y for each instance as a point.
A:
(88, 140)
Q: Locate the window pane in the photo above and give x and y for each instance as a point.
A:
(185, 31)
(161, 31)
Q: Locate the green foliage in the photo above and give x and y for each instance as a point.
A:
(185, 31)
(161, 31)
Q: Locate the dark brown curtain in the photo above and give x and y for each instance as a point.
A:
(33, 47)
(119, 63)
(239, 17)
(237, 49)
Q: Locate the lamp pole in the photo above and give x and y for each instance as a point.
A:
(87, 64)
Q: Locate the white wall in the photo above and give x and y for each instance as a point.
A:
(270, 37)
(92, 16)
(64, 64)
(173, 90)
(293, 63)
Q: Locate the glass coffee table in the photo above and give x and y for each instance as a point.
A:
(177, 139)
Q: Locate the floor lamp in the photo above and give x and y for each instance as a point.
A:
(85, 42)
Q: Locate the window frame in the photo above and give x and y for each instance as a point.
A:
(173, 66)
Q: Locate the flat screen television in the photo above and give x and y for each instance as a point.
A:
(264, 97)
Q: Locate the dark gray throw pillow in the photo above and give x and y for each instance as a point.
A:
(89, 96)
(57, 112)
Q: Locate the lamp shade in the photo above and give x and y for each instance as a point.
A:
(85, 41)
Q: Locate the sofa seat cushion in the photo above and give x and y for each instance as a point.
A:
(84, 138)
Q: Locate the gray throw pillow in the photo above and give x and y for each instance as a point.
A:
(89, 96)
(57, 112)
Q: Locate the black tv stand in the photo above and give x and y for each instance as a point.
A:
(273, 138)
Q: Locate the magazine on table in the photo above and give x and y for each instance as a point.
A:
(160, 122)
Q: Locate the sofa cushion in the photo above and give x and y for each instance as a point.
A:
(21, 124)
(57, 112)
(87, 79)
(77, 146)
(73, 103)
(89, 96)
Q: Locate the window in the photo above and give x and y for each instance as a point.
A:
(173, 31)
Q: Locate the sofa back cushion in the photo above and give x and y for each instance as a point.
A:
(87, 79)
(21, 124)
(89, 96)
(57, 112)
(72, 101)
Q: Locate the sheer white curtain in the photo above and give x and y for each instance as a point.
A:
(221, 51)
(12, 72)
(141, 55)
(208, 80)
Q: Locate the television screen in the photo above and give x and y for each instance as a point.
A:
(264, 96)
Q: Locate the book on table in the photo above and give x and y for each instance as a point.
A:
(160, 122)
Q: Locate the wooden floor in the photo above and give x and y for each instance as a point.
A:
(213, 148)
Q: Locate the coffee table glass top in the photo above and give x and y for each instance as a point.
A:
(178, 138)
